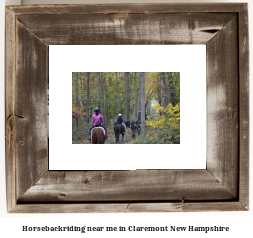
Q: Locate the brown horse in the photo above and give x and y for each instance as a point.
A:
(138, 127)
(98, 135)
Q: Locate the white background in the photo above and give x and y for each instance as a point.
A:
(63, 155)
(240, 222)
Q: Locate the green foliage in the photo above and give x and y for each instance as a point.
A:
(166, 127)
(160, 129)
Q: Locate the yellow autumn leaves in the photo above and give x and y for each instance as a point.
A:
(167, 125)
(170, 118)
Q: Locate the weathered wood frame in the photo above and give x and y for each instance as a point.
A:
(223, 186)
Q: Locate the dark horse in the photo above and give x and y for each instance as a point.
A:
(98, 135)
(127, 123)
(119, 129)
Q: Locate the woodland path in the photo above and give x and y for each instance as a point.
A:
(127, 140)
(110, 138)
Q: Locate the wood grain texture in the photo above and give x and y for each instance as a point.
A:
(129, 8)
(223, 107)
(244, 106)
(9, 109)
(223, 186)
(139, 185)
(186, 207)
(30, 108)
(118, 29)
(129, 207)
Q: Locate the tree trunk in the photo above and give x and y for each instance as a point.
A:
(117, 94)
(163, 92)
(148, 100)
(108, 105)
(172, 93)
(134, 110)
(102, 93)
(106, 100)
(142, 80)
(88, 97)
(98, 89)
(77, 101)
(159, 93)
(82, 93)
(77, 127)
(129, 96)
(126, 95)
(73, 86)
(139, 101)
(150, 106)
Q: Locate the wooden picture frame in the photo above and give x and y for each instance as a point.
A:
(222, 186)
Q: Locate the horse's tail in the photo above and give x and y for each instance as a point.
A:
(117, 129)
(98, 136)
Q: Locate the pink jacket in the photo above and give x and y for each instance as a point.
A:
(96, 118)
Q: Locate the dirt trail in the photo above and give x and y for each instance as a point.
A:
(127, 138)
(126, 141)
(110, 139)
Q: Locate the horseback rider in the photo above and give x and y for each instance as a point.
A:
(139, 116)
(120, 121)
(97, 120)
(133, 125)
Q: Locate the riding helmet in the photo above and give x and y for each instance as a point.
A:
(120, 115)
(96, 109)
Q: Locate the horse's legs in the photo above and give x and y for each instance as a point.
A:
(116, 137)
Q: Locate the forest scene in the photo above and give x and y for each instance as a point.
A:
(134, 107)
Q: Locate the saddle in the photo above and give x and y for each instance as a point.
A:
(123, 126)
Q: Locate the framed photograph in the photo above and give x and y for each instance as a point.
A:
(170, 129)
(33, 34)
